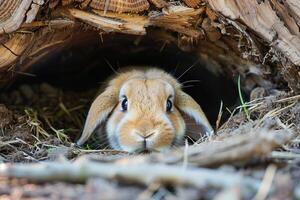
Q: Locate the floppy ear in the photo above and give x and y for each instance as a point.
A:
(99, 111)
(191, 108)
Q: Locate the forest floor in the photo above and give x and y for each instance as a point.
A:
(259, 141)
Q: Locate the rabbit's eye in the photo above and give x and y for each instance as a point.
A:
(124, 104)
(169, 105)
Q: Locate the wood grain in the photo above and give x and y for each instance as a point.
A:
(12, 14)
(120, 6)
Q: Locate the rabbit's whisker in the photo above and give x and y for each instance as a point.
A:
(194, 132)
(187, 86)
(175, 70)
(110, 66)
(188, 69)
(191, 81)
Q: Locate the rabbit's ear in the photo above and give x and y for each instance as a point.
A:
(186, 104)
(100, 109)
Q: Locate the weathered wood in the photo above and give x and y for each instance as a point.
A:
(257, 143)
(178, 19)
(29, 45)
(262, 19)
(13, 48)
(118, 6)
(231, 36)
(131, 6)
(293, 9)
(192, 3)
(131, 172)
(12, 14)
(134, 24)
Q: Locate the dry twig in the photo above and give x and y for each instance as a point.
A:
(242, 147)
(130, 172)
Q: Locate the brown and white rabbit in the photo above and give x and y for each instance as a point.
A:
(143, 110)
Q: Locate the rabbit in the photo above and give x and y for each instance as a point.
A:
(143, 110)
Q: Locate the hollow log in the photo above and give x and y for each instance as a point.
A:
(245, 37)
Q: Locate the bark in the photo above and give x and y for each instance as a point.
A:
(244, 37)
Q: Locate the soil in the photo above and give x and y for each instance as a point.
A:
(34, 120)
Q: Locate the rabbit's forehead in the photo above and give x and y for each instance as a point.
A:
(147, 87)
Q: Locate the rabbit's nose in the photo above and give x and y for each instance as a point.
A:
(145, 135)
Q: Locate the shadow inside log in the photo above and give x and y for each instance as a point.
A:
(87, 62)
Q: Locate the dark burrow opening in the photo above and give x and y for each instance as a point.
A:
(81, 67)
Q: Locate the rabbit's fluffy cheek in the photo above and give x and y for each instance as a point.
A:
(145, 134)
(115, 120)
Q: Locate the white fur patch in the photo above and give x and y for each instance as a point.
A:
(199, 120)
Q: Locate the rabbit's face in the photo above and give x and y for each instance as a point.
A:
(141, 108)
(145, 117)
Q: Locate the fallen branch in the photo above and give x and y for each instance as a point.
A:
(241, 147)
(134, 173)
(258, 143)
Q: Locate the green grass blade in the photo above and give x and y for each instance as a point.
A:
(242, 99)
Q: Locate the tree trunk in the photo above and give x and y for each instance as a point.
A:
(246, 37)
